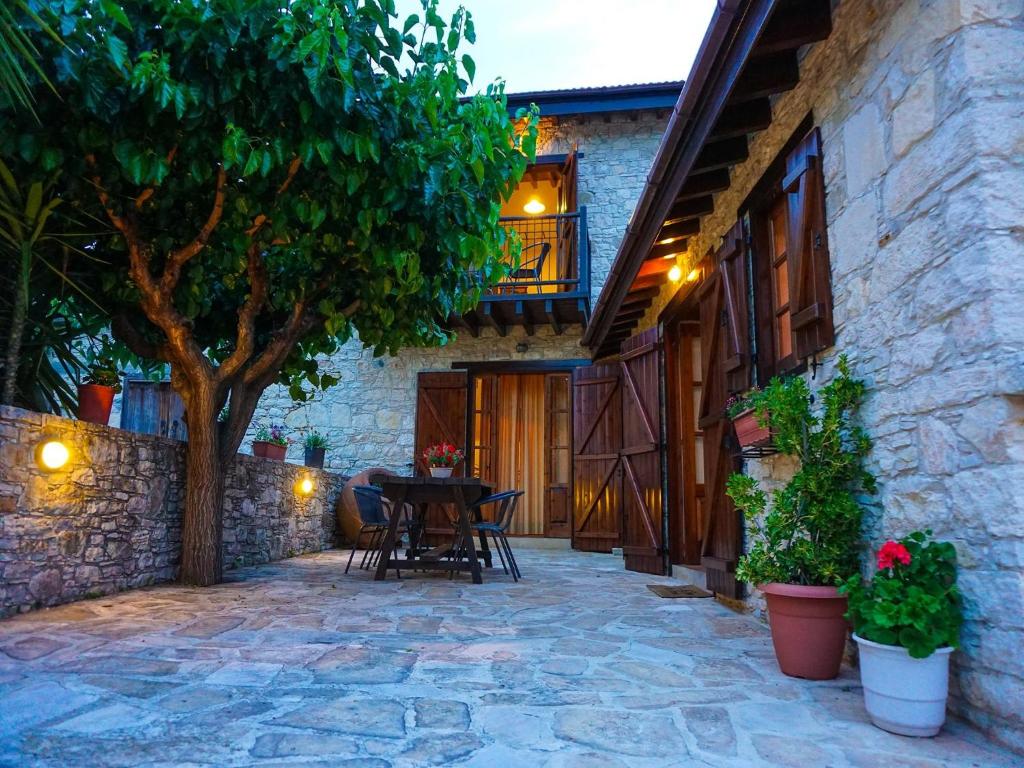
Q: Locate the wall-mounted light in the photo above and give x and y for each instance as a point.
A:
(693, 276)
(534, 206)
(52, 455)
(675, 274)
(305, 486)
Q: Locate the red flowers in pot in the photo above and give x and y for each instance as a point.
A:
(442, 458)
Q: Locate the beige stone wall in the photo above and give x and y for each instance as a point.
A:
(370, 415)
(111, 519)
(921, 108)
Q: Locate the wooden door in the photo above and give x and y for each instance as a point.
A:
(484, 435)
(441, 406)
(153, 408)
(641, 454)
(721, 537)
(597, 441)
(683, 371)
(558, 447)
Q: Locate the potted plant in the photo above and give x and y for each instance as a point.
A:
(442, 458)
(906, 624)
(315, 445)
(270, 443)
(96, 393)
(806, 535)
(749, 419)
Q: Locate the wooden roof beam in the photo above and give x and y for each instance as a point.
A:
(767, 76)
(691, 209)
(799, 24)
(663, 250)
(722, 154)
(638, 297)
(678, 229)
(655, 267)
(703, 184)
(742, 119)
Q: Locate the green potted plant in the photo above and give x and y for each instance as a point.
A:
(96, 393)
(906, 623)
(270, 443)
(806, 535)
(315, 444)
(752, 429)
(442, 459)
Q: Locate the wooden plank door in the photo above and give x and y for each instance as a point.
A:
(642, 544)
(597, 441)
(721, 538)
(483, 459)
(558, 459)
(441, 406)
(153, 408)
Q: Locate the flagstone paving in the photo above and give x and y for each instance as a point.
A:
(294, 663)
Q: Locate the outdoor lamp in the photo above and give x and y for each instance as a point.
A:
(692, 277)
(675, 274)
(305, 486)
(52, 455)
(533, 205)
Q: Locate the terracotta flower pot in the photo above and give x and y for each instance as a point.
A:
(314, 457)
(94, 403)
(808, 629)
(266, 450)
(748, 431)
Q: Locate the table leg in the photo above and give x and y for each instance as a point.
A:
(467, 534)
(388, 547)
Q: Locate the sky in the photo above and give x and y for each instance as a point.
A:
(547, 44)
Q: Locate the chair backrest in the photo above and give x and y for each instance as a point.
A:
(370, 505)
(505, 502)
(532, 267)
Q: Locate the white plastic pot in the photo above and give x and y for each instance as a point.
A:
(902, 694)
(441, 471)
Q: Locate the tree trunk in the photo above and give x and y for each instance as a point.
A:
(202, 524)
(18, 314)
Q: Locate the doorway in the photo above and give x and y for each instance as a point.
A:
(520, 439)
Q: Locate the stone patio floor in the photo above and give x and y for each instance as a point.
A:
(294, 663)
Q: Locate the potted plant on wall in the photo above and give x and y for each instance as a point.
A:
(806, 534)
(315, 444)
(270, 443)
(752, 428)
(906, 623)
(442, 458)
(96, 393)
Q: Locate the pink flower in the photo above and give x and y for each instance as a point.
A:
(892, 552)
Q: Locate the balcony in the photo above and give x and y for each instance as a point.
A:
(551, 285)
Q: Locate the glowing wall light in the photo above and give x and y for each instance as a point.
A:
(675, 274)
(52, 455)
(305, 486)
(534, 206)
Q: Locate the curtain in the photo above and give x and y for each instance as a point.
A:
(521, 448)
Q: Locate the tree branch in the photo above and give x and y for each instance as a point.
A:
(261, 219)
(246, 336)
(149, 191)
(125, 331)
(178, 258)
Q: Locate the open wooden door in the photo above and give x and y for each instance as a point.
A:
(642, 544)
(441, 405)
(597, 474)
(726, 369)
(558, 447)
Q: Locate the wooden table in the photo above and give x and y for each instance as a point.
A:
(418, 492)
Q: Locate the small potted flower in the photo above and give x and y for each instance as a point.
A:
(750, 422)
(442, 459)
(96, 393)
(315, 444)
(270, 443)
(906, 624)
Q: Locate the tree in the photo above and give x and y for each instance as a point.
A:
(280, 175)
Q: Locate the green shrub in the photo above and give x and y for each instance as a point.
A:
(809, 531)
(912, 601)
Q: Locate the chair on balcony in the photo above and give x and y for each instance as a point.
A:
(531, 265)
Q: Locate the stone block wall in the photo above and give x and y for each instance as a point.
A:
(921, 110)
(111, 519)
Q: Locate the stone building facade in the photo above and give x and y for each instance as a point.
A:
(921, 111)
(111, 519)
(369, 416)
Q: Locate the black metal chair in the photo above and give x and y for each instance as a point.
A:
(530, 269)
(374, 520)
(505, 502)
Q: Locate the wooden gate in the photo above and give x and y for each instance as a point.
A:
(153, 408)
(597, 441)
(441, 405)
(642, 545)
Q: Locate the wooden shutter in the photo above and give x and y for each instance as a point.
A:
(558, 459)
(567, 252)
(810, 291)
(484, 429)
(732, 267)
(641, 454)
(721, 539)
(597, 441)
(441, 405)
(153, 408)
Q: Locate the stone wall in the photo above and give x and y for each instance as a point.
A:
(111, 519)
(370, 416)
(921, 109)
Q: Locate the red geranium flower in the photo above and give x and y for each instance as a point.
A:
(892, 552)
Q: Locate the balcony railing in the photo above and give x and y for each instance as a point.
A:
(555, 258)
